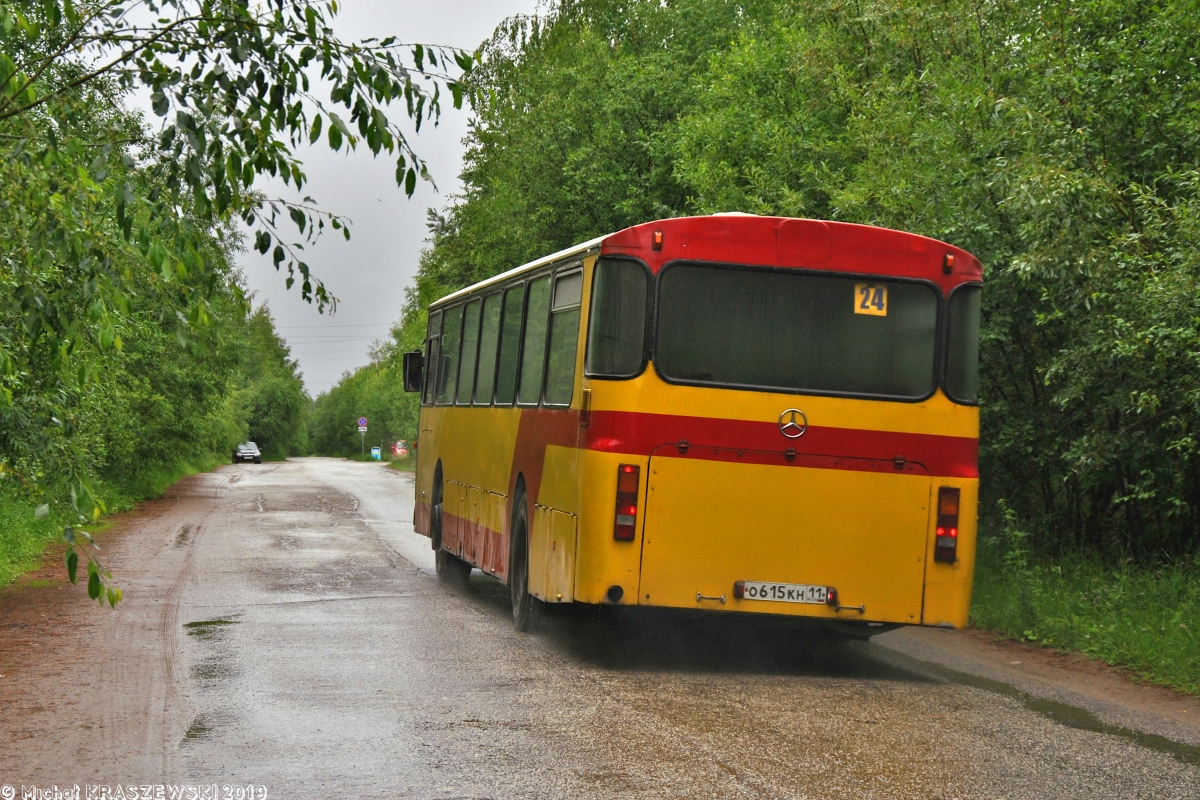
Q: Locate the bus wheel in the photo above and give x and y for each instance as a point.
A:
(451, 570)
(524, 605)
(435, 512)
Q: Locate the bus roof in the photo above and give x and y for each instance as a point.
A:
(579, 251)
(783, 242)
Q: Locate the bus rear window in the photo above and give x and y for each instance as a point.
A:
(962, 345)
(617, 329)
(791, 331)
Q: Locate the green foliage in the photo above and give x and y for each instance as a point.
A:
(1057, 142)
(1143, 618)
(23, 534)
(239, 80)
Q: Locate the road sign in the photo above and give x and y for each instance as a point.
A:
(362, 428)
(362, 422)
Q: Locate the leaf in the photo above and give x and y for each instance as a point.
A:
(335, 137)
(93, 583)
(72, 565)
(315, 130)
(410, 182)
(277, 256)
(297, 217)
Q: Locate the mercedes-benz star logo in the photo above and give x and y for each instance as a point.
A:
(793, 423)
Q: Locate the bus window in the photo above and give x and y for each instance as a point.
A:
(533, 352)
(466, 370)
(564, 334)
(431, 360)
(510, 345)
(617, 323)
(488, 341)
(448, 363)
(431, 357)
(962, 345)
(795, 331)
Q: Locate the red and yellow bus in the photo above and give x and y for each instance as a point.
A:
(732, 413)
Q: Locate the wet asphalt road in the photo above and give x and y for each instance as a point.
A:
(321, 658)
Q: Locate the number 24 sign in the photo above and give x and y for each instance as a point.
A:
(870, 298)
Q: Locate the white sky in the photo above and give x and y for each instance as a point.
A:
(369, 273)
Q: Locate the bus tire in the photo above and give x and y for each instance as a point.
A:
(451, 570)
(435, 512)
(524, 605)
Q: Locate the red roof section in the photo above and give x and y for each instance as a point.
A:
(801, 243)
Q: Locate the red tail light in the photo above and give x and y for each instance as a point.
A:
(625, 525)
(946, 548)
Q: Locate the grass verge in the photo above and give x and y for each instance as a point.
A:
(24, 537)
(1141, 618)
(406, 463)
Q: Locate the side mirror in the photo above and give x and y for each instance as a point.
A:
(414, 368)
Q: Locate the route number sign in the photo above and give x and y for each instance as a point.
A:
(870, 299)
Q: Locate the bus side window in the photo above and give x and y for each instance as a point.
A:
(489, 341)
(617, 322)
(432, 350)
(448, 363)
(533, 350)
(510, 345)
(470, 348)
(564, 335)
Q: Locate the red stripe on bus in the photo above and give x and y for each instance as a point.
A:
(640, 433)
(538, 429)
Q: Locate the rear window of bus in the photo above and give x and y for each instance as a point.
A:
(786, 330)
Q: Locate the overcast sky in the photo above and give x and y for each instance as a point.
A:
(369, 273)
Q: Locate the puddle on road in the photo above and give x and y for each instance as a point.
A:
(199, 729)
(1062, 713)
(211, 670)
(208, 629)
(181, 538)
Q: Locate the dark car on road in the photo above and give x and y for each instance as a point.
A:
(247, 451)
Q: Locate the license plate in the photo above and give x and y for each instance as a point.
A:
(784, 592)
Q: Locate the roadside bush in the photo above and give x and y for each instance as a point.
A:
(1144, 618)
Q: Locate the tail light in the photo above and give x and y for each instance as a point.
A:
(625, 525)
(946, 548)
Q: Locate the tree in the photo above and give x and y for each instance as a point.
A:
(96, 211)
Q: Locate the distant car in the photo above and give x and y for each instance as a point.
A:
(247, 451)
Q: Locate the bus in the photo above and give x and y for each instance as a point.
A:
(731, 413)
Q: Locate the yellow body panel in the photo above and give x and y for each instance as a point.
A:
(552, 559)
(948, 586)
(711, 523)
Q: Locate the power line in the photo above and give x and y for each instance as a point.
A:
(355, 325)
